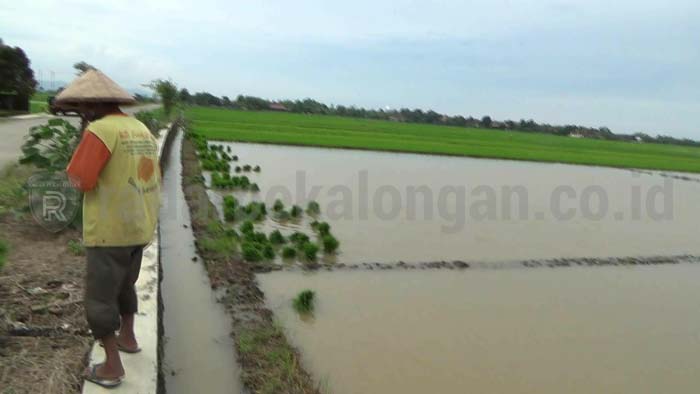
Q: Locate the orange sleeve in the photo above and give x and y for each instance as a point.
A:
(88, 161)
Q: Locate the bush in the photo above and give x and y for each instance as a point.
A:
(312, 208)
(310, 250)
(304, 301)
(277, 238)
(238, 169)
(330, 243)
(278, 206)
(251, 252)
(289, 252)
(254, 187)
(256, 168)
(296, 211)
(235, 158)
(247, 168)
(154, 120)
(50, 146)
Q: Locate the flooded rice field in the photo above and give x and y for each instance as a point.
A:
(579, 330)
(198, 351)
(390, 207)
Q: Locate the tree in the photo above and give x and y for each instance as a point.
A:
(81, 67)
(16, 74)
(168, 93)
(486, 121)
(185, 96)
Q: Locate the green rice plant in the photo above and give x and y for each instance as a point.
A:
(299, 238)
(252, 251)
(304, 301)
(231, 233)
(230, 201)
(277, 238)
(314, 225)
(310, 250)
(247, 227)
(296, 211)
(4, 250)
(256, 236)
(330, 243)
(282, 215)
(323, 228)
(289, 253)
(268, 252)
(256, 168)
(313, 208)
(76, 247)
(278, 205)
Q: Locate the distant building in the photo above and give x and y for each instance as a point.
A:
(277, 107)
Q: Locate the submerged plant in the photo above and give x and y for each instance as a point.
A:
(304, 301)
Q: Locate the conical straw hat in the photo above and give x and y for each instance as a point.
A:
(93, 86)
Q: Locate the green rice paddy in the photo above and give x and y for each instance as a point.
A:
(353, 133)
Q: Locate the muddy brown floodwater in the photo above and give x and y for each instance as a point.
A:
(580, 330)
(568, 211)
(198, 352)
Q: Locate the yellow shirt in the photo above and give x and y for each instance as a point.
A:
(122, 209)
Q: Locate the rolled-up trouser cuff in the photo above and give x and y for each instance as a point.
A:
(109, 291)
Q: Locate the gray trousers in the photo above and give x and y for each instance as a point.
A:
(109, 288)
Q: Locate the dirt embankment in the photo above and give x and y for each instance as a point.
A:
(268, 362)
(44, 338)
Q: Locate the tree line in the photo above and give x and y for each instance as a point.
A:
(310, 106)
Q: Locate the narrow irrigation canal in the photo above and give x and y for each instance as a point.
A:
(198, 352)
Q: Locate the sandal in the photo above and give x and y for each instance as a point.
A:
(125, 350)
(104, 382)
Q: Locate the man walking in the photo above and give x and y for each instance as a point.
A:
(116, 166)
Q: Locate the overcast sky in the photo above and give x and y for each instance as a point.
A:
(631, 65)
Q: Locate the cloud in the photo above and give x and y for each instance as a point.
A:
(555, 61)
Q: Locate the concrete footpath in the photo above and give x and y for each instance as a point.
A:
(141, 368)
